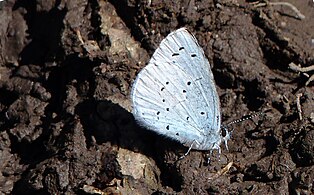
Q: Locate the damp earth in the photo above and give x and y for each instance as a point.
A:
(66, 72)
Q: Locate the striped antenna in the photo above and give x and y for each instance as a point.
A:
(244, 118)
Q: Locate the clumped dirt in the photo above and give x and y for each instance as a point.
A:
(66, 70)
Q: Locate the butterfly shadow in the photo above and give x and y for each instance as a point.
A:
(105, 121)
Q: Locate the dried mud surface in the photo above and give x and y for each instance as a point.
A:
(66, 70)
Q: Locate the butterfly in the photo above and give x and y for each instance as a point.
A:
(175, 94)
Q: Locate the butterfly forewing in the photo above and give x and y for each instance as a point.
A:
(175, 94)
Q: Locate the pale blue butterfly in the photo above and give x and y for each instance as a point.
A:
(175, 94)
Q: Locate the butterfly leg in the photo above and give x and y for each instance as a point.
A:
(191, 146)
(215, 147)
(209, 155)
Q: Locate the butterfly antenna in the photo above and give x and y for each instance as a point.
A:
(244, 118)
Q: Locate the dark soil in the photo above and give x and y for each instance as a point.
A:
(66, 70)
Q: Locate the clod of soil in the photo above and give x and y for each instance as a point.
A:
(67, 67)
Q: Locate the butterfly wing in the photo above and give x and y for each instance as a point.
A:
(175, 94)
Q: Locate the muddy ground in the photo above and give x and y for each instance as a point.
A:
(66, 70)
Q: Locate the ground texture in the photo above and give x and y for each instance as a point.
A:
(67, 67)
